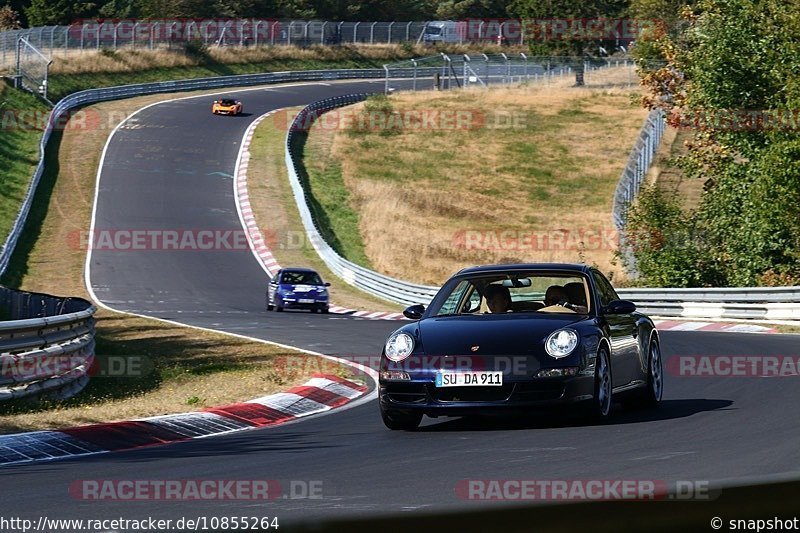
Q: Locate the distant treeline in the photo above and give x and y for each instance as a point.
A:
(48, 12)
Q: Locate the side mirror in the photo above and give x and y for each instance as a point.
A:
(414, 312)
(327, 284)
(620, 307)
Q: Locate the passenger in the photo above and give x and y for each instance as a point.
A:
(498, 298)
(576, 294)
(554, 295)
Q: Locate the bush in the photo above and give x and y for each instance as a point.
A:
(666, 246)
(378, 114)
(196, 49)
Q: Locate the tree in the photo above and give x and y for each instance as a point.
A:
(52, 12)
(460, 9)
(9, 19)
(576, 41)
(732, 76)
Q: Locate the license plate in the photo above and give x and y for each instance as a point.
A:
(306, 301)
(469, 379)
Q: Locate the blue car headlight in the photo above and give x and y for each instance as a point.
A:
(561, 343)
(399, 346)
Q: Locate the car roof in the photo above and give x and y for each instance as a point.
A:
(488, 269)
(298, 269)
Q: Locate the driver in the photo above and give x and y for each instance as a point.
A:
(498, 298)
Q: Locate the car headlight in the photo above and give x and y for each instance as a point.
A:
(561, 343)
(399, 346)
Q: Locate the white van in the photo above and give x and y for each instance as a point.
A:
(443, 31)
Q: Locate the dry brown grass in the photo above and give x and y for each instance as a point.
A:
(418, 192)
(128, 60)
(193, 369)
(668, 176)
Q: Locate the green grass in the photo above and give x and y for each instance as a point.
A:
(329, 198)
(61, 85)
(19, 149)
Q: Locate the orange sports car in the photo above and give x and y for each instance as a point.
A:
(226, 106)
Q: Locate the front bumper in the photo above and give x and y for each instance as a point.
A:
(295, 304)
(529, 396)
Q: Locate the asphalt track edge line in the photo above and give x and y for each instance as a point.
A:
(367, 397)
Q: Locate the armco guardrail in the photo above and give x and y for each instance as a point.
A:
(125, 91)
(757, 303)
(377, 284)
(767, 303)
(778, 303)
(47, 346)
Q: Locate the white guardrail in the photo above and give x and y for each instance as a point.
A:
(57, 328)
(47, 344)
(770, 303)
(368, 280)
(47, 348)
(125, 91)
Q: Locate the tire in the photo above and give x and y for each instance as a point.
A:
(601, 404)
(655, 376)
(399, 421)
(325, 310)
(270, 307)
(650, 394)
(279, 309)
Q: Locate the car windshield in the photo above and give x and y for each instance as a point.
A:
(228, 102)
(301, 278)
(515, 292)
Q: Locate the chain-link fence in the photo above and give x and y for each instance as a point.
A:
(151, 34)
(31, 68)
(451, 71)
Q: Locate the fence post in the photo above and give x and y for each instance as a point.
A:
(355, 32)
(390, 32)
(414, 86)
(372, 33)
(525, 58)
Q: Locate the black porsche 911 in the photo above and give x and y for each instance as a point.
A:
(527, 337)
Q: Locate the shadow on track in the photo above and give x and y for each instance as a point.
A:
(669, 409)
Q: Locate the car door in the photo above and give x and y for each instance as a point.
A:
(623, 332)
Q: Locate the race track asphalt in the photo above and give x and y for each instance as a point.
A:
(170, 167)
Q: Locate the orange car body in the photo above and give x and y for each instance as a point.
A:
(226, 107)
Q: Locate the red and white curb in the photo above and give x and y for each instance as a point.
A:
(322, 393)
(263, 253)
(682, 325)
(255, 237)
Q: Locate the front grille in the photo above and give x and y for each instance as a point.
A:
(539, 390)
(472, 394)
(405, 392)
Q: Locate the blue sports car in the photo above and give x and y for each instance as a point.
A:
(522, 337)
(297, 288)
